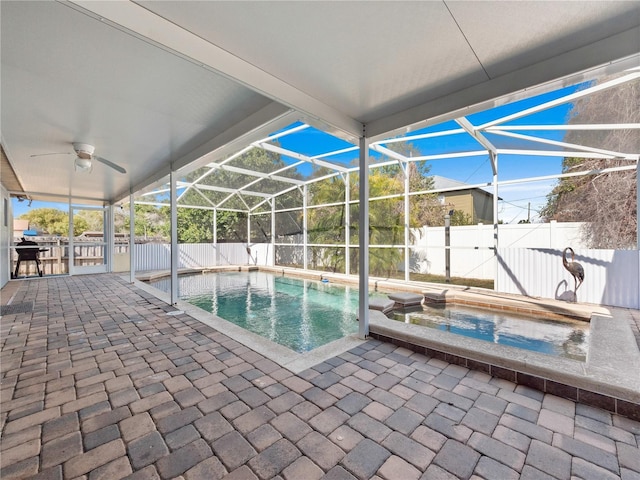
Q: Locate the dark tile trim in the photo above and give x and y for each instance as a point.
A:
(504, 373)
(561, 390)
(628, 409)
(597, 400)
(531, 381)
(606, 402)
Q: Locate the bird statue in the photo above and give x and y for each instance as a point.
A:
(574, 268)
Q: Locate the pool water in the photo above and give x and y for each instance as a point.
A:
(569, 339)
(299, 314)
(305, 314)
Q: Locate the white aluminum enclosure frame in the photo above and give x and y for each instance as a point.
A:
(498, 127)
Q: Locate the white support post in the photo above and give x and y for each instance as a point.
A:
(132, 240)
(70, 257)
(494, 164)
(109, 231)
(174, 238)
(347, 224)
(249, 254)
(407, 252)
(215, 235)
(273, 232)
(363, 240)
(214, 226)
(305, 239)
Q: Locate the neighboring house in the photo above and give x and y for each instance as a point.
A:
(475, 202)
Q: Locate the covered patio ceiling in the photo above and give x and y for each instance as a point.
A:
(175, 86)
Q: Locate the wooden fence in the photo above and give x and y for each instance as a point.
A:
(54, 255)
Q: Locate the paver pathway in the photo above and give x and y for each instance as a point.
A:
(99, 381)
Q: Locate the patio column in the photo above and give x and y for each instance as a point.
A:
(347, 223)
(249, 237)
(174, 238)
(494, 166)
(108, 231)
(273, 232)
(406, 221)
(305, 259)
(132, 240)
(70, 256)
(363, 240)
(215, 234)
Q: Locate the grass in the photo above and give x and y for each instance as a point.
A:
(430, 278)
(467, 282)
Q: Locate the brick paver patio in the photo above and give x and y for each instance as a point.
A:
(100, 382)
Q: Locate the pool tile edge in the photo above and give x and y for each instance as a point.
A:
(572, 380)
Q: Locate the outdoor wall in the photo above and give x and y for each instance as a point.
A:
(611, 276)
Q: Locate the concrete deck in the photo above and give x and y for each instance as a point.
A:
(102, 380)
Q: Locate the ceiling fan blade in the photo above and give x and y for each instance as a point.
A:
(117, 168)
(54, 153)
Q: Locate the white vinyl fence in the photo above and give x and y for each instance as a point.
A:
(157, 256)
(529, 261)
(471, 246)
(611, 277)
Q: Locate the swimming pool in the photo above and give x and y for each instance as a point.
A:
(305, 314)
(297, 313)
(563, 338)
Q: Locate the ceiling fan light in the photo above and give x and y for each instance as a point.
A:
(83, 164)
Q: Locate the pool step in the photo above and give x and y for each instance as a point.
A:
(383, 305)
(406, 299)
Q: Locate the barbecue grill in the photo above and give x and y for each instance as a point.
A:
(28, 252)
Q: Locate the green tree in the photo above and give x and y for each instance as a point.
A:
(460, 218)
(195, 225)
(231, 224)
(93, 218)
(386, 216)
(605, 202)
(150, 221)
(54, 221)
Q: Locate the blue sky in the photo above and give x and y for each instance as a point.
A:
(473, 170)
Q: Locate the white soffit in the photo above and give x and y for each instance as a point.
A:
(367, 59)
(538, 30)
(392, 63)
(68, 77)
(179, 38)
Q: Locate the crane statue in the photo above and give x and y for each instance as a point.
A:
(574, 268)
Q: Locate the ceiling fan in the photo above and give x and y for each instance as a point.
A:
(84, 156)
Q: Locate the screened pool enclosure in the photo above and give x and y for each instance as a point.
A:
(292, 197)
